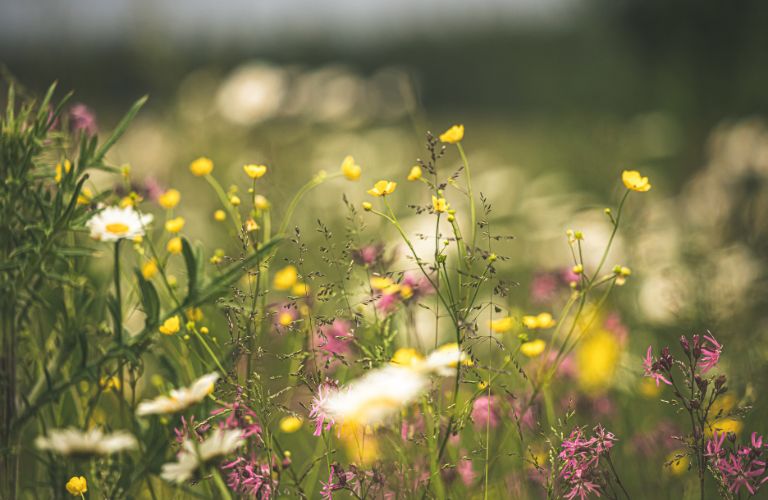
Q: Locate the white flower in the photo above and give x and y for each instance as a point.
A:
(114, 223)
(444, 360)
(179, 399)
(193, 454)
(376, 396)
(73, 441)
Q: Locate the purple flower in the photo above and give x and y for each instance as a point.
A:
(710, 354)
(580, 455)
(247, 476)
(82, 118)
(317, 412)
(333, 341)
(485, 411)
(653, 369)
(739, 466)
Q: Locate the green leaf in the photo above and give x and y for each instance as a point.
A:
(120, 129)
(191, 263)
(150, 301)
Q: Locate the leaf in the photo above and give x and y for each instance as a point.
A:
(120, 129)
(150, 301)
(191, 263)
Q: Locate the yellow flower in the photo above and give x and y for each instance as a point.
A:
(360, 443)
(540, 321)
(634, 181)
(453, 135)
(415, 173)
(174, 225)
(648, 388)
(407, 356)
(260, 202)
(61, 169)
(367, 206)
(350, 169)
(77, 485)
(380, 282)
(678, 462)
(439, 204)
(533, 348)
(109, 383)
(170, 326)
(406, 292)
(596, 360)
(169, 199)
(234, 200)
(255, 171)
(300, 289)
(251, 225)
(220, 215)
(194, 314)
(127, 201)
(724, 425)
(290, 424)
(174, 245)
(382, 188)
(84, 198)
(149, 269)
(202, 166)
(285, 278)
(502, 325)
(285, 318)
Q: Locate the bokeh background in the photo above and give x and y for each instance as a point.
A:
(558, 96)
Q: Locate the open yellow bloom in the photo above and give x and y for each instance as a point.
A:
(381, 282)
(415, 173)
(174, 245)
(350, 169)
(202, 166)
(439, 205)
(220, 215)
(84, 198)
(61, 169)
(194, 314)
(285, 278)
(407, 356)
(290, 424)
(174, 225)
(170, 326)
(541, 321)
(255, 171)
(285, 318)
(677, 466)
(502, 325)
(382, 188)
(533, 348)
(300, 289)
(149, 269)
(169, 199)
(634, 181)
(453, 135)
(77, 485)
(260, 202)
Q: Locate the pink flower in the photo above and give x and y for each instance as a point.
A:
(334, 341)
(580, 455)
(82, 118)
(317, 412)
(652, 369)
(739, 466)
(249, 477)
(710, 354)
(485, 412)
(543, 287)
(466, 471)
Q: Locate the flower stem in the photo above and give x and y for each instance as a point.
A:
(472, 214)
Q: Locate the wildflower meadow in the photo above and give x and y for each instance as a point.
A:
(268, 319)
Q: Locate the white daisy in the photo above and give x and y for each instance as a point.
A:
(73, 441)
(179, 399)
(114, 223)
(444, 360)
(376, 396)
(193, 454)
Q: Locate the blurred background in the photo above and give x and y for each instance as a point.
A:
(558, 96)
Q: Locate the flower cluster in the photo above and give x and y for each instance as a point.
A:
(581, 471)
(739, 466)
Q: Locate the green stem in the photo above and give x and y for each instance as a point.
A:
(472, 214)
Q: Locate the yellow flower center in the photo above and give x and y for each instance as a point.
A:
(117, 228)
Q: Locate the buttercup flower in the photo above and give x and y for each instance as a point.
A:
(170, 326)
(180, 399)
(382, 188)
(220, 215)
(72, 441)
(174, 245)
(193, 455)
(453, 135)
(62, 168)
(85, 196)
(350, 169)
(175, 225)
(407, 356)
(285, 278)
(255, 171)
(201, 166)
(290, 424)
(634, 181)
(533, 348)
(76, 486)
(169, 199)
(439, 205)
(149, 269)
(539, 322)
(415, 173)
(502, 325)
(114, 223)
(260, 202)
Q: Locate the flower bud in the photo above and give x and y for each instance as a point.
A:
(685, 345)
(720, 382)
